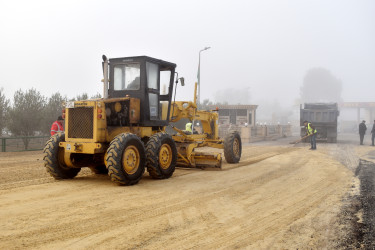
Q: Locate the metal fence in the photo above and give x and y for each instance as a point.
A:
(25, 143)
(257, 131)
(226, 128)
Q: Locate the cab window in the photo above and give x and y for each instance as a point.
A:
(127, 76)
(152, 75)
(165, 78)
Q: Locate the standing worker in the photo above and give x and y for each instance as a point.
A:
(373, 133)
(311, 131)
(362, 130)
(188, 127)
(57, 126)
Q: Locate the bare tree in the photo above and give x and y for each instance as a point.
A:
(96, 96)
(204, 105)
(271, 111)
(52, 110)
(25, 116)
(4, 104)
(84, 96)
(319, 85)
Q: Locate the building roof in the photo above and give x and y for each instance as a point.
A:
(357, 104)
(239, 106)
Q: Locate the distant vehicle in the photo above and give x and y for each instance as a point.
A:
(324, 117)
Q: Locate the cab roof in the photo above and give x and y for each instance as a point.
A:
(142, 58)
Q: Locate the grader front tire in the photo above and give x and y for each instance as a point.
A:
(233, 147)
(161, 154)
(53, 159)
(126, 159)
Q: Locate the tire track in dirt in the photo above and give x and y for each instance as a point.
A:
(248, 158)
(156, 210)
(309, 203)
(249, 204)
(259, 181)
(30, 171)
(223, 237)
(269, 224)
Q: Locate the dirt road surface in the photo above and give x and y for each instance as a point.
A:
(279, 196)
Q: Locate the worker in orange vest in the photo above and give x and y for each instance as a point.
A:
(57, 126)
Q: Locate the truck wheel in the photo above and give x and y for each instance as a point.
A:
(126, 159)
(233, 147)
(161, 156)
(54, 159)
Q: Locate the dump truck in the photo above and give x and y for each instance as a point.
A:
(124, 133)
(323, 116)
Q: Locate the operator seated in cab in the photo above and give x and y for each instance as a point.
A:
(134, 85)
(189, 130)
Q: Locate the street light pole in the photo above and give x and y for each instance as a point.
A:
(199, 74)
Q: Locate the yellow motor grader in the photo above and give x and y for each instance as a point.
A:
(209, 137)
(124, 132)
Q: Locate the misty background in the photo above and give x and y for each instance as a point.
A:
(262, 52)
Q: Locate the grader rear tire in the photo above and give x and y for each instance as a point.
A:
(233, 147)
(126, 159)
(53, 159)
(161, 156)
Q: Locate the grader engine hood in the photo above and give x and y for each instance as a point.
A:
(79, 119)
(122, 111)
(89, 121)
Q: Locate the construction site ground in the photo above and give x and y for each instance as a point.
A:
(279, 196)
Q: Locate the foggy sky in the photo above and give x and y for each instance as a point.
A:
(264, 46)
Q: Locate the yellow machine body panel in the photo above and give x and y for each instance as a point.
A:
(89, 132)
(86, 125)
(209, 119)
(187, 143)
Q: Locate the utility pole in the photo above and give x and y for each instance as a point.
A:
(199, 74)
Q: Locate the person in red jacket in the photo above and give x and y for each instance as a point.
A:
(57, 126)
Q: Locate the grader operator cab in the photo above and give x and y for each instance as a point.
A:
(123, 133)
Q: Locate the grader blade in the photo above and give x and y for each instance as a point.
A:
(205, 160)
(200, 160)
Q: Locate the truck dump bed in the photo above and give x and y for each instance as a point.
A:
(323, 116)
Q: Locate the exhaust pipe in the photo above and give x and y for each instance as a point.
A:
(105, 80)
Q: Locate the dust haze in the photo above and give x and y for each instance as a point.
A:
(261, 51)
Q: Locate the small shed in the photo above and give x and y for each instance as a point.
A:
(236, 114)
